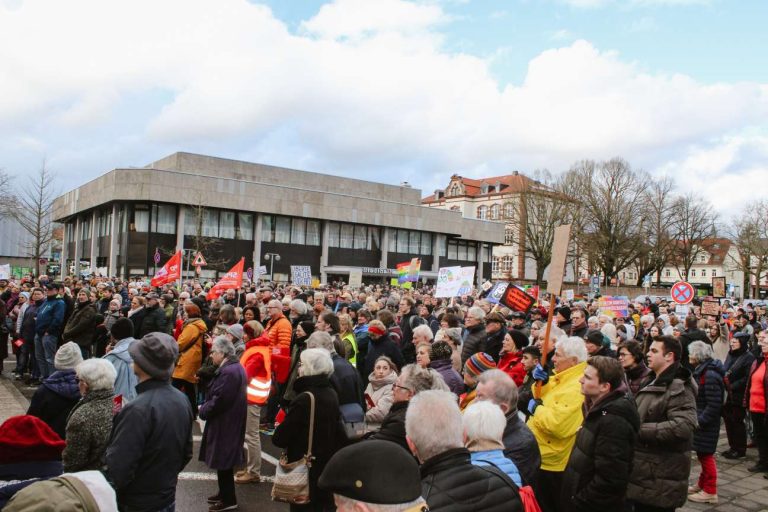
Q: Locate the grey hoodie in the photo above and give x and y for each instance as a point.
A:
(126, 381)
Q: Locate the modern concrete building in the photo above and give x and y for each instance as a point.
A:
(118, 221)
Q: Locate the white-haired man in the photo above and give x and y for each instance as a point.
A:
(449, 480)
(474, 339)
(556, 417)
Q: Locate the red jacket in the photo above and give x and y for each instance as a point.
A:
(511, 364)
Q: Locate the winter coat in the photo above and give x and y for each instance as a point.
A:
(190, 350)
(494, 342)
(755, 365)
(579, 332)
(598, 470)
(150, 445)
(224, 412)
(557, 420)
(451, 377)
(154, 321)
(110, 317)
(137, 319)
(346, 381)
(525, 393)
(709, 405)
(280, 333)
(393, 426)
(636, 377)
(384, 346)
(50, 317)
(688, 337)
(736, 368)
(126, 381)
(473, 343)
(16, 476)
(520, 447)
(293, 433)
(29, 321)
(451, 483)
(54, 399)
(407, 324)
(497, 459)
(80, 325)
(667, 409)
(88, 429)
(511, 363)
(380, 391)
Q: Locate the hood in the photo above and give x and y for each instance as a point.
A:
(385, 381)
(63, 383)
(711, 365)
(122, 345)
(197, 322)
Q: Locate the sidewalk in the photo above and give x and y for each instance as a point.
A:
(12, 402)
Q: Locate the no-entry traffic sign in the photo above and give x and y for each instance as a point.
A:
(682, 292)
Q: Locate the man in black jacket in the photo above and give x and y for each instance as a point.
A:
(692, 333)
(597, 473)
(154, 320)
(152, 435)
(449, 480)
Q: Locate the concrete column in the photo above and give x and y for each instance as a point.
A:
(93, 241)
(63, 269)
(384, 247)
(257, 236)
(181, 219)
(113, 242)
(481, 257)
(437, 240)
(324, 252)
(78, 244)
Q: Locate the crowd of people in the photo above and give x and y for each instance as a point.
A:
(401, 400)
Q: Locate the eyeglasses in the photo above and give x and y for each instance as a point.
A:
(402, 387)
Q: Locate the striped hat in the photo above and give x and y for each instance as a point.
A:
(478, 363)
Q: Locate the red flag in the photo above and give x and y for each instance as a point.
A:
(232, 279)
(170, 272)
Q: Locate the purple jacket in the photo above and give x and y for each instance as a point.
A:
(224, 411)
(450, 376)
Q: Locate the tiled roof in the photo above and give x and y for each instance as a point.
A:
(508, 184)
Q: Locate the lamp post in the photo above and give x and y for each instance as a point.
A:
(272, 257)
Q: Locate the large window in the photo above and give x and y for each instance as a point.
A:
(462, 250)
(244, 226)
(509, 236)
(402, 241)
(283, 230)
(267, 228)
(333, 234)
(287, 230)
(482, 212)
(495, 212)
(210, 223)
(506, 264)
(509, 210)
(299, 231)
(227, 224)
(361, 237)
(347, 236)
(313, 232)
(140, 222)
(164, 219)
(410, 242)
(85, 229)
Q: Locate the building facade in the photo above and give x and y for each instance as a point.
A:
(272, 216)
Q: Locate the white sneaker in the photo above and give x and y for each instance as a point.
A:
(702, 497)
(693, 489)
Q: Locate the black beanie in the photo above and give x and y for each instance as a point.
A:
(121, 329)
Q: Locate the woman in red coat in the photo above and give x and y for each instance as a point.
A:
(511, 355)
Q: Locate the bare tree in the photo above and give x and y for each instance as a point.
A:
(5, 184)
(659, 243)
(693, 222)
(32, 208)
(611, 202)
(749, 235)
(210, 247)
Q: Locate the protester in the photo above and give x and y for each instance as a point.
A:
(496, 332)
(475, 365)
(378, 394)
(529, 361)
(756, 397)
(736, 368)
(81, 324)
(422, 353)
(484, 425)
(440, 354)
(190, 348)
(345, 379)
(630, 355)
(154, 317)
(474, 340)
(224, 412)
(49, 323)
(90, 422)
(512, 355)
(152, 436)
(58, 394)
(84, 490)
(380, 345)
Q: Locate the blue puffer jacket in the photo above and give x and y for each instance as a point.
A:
(709, 404)
(50, 317)
(497, 458)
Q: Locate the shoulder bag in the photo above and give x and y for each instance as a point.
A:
(291, 483)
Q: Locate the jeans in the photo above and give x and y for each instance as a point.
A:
(45, 352)
(708, 476)
(253, 440)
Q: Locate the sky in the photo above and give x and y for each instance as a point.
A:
(391, 90)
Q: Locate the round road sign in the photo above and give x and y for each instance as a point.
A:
(682, 292)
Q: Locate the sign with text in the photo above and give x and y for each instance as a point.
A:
(453, 281)
(497, 292)
(355, 278)
(710, 308)
(5, 271)
(516, 299)
(613, 306)
(301, 275)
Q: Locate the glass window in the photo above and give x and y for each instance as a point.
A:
(506, 264)
(298, 231)
(361, 237)
(426, 244)
(509, 236)
(227, 224)
(462, 251)
(392, 240)
(85, 229)
(190, 220)
(414, 242)
(703, 272)
(402, 241)
(164, 219)
(211, 223)
(141, 218)
(347, 236)
(495, 265)
(452, 250)
(471, 252)
(333, 234)
(267, 228)
(282, 230)
(693, 273)
(714, 272)
(109, 224)
(244, 226)
(441, 248)
(509, 211)
(374, 239)
(667, 273)
(495, 212)
(482, 212)
(313, 232)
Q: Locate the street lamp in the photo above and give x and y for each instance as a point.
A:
(272, 257)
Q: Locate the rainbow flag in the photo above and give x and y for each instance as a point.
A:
(408, 271)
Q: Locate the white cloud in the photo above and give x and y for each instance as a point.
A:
(589, 4)
(561, 35)
(351, 93)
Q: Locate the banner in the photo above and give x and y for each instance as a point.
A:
(406, 285)
(516, 299)
(497, 292)
(231, 280)
(169, 273)
(453, 281)
(301, 275)
(355, 278)
(613, 306)
(467, 280)
(408, 271)
(5, 271)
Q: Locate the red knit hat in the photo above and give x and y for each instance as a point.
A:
(28, 438)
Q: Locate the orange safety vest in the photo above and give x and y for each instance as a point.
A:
(257, 392)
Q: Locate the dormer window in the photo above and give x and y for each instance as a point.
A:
(484, 188)
(455, 189)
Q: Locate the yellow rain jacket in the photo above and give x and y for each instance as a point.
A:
(557, 420)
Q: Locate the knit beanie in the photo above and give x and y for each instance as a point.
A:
(28, 438)
(68, 356)
(236, 330)
(565, 312)
(479, 363)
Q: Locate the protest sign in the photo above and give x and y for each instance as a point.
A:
(355, 278)
(710, 308)
(497, 292)
(5, 271)
(613, 306)
(301, 275)
(516, 299)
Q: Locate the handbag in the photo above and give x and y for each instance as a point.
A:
(291, 484)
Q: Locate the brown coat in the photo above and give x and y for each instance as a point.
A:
(190, 350)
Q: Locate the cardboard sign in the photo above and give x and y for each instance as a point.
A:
(5, 271)
(718, 287)
(497, 292)
(453, 281)
(516, 299)
(681, 311)
(613, 306)
(301, 275)
(557, 265)
(710, 308)
(355, 278)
